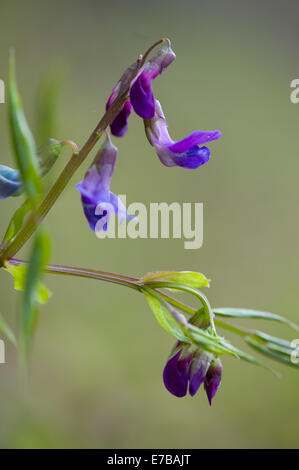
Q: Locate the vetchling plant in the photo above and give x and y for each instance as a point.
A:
(195, 358)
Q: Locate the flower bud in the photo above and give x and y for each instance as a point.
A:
(213, 379)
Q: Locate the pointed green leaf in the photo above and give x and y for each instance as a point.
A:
(246, 313)
(7, 331)
(273, 340)
(188, 278)
(165, 318)
(16, 221)
(211, 343)
(38, 260)
(23, 141)
(248, 358)
(270, 352)
(19, 272)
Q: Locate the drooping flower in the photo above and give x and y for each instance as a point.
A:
(119, 125)
(10, 182)
(186, 366)
(141, 93)
(213, 379)
(185, 153)
(97, 199)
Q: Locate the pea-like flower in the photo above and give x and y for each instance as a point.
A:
(141, 93)
(185, 153)
(189, 367)
(97, 199)
(119, 125)
(10, 182)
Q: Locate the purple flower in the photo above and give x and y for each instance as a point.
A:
(97, 199)
(119, 125)
(185, 153)
(141, 93)
(186, 366)
(10, 182)
(213, 379)
(198, 369)
(175, 374)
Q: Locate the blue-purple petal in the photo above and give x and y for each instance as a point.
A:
(195, 138)
(213, 380)
(175, 375)
(119, 125)
(198, 369)
(191, 159)
(10, 182)
(142, 96)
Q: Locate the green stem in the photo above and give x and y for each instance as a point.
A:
(86, 273)
(127, 281)
(74, 163)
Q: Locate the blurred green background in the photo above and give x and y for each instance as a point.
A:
(98, 357)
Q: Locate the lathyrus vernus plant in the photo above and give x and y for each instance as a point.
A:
(195, 358)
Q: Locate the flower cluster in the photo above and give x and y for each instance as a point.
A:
(189, 367)
(186, 153)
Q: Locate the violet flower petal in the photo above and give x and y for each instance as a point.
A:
(119, 125)
(198, 368)
(195, 138)
(142, 96)
(213, 379)
(175, 375)
(10, 182)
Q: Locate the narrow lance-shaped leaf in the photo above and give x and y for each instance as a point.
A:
(38, 260)
(7, 331)
(165, 318)
(248, 358)
(16, 221)
(23, 141)
(269, 351)
(184, 331)
(247, 313)
(188, 278)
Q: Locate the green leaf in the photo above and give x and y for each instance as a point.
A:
(23, 141)
(273, 340)
(7, 331)
(19, 272)
(165, 318)
(211, 343)
(38, 260)
(188, 278)
(266, 349)
(16, 221)
(248, 358)
(246, 313)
